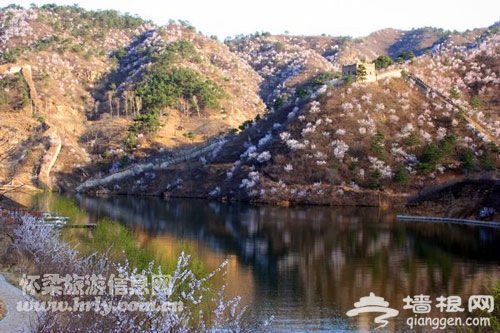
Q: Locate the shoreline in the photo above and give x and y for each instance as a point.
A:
(454, 199)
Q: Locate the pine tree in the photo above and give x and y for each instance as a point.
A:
(361, 73)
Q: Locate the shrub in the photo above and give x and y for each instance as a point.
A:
(120, 53)
(77, 48)
(106, 154)
(468, 160)
(454, 93)
(188, 135)
(40, 118)
(448, 146)
(437, 152)
(377, 145)
(411, 140)
(375, 179)
(131, 140)
(14, 92)
(430, 157)
(404, 56)
(383, 61)
(301, 92)
(278, 102)
(488, 163)
(494, 316)
(245, 124)
(146, 122)
(348, 80)
(124, 161)
(176, 51)
(401, 175)
(321, 78)
(494, 148)
(11, 55)
(475, 102)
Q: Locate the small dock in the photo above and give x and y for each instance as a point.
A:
(431, 219)
(62, 222)
(88, 225)
(65, 226)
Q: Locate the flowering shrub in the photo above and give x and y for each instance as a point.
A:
(339, 149)
(34, 237)
(215, 192)
(315, 107)
(340, 132)
(251, 181)
(294, 144)
(376, 164)
(265, 140)
(264, 156)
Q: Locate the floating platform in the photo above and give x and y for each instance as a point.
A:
(89, 225)
(62, 222)
(477, 223)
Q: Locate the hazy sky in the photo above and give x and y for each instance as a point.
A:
(308, 17)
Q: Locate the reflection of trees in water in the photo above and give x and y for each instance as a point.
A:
(323, 254)
(465, 241)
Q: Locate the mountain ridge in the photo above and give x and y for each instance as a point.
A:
(272, 100)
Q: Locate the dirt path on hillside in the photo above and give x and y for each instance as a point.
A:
(14, 320)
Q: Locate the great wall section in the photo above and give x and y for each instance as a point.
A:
(164, 163)
(429, 91)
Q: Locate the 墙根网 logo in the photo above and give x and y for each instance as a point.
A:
(374, 303)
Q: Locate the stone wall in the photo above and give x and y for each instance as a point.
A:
(139, 168)
(351, 70)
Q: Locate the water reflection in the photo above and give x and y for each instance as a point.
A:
(308, 265)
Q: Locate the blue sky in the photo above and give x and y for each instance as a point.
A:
(306, 17)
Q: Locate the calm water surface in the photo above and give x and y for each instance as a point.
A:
(307, 266)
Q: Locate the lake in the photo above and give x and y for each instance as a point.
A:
(307, 266)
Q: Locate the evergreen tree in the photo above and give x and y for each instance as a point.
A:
(361, 73)
(383, 61)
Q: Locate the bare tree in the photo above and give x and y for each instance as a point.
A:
(110, 101)
(126, 98)
(96, 107)
(138, 104)
(117, 104)
(194, 101)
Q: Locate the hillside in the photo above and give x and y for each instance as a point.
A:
(70, 75)
(109, 103)
(468, 75)
(396, 43)
(285, 63)
(294, 66)
(365, 143)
